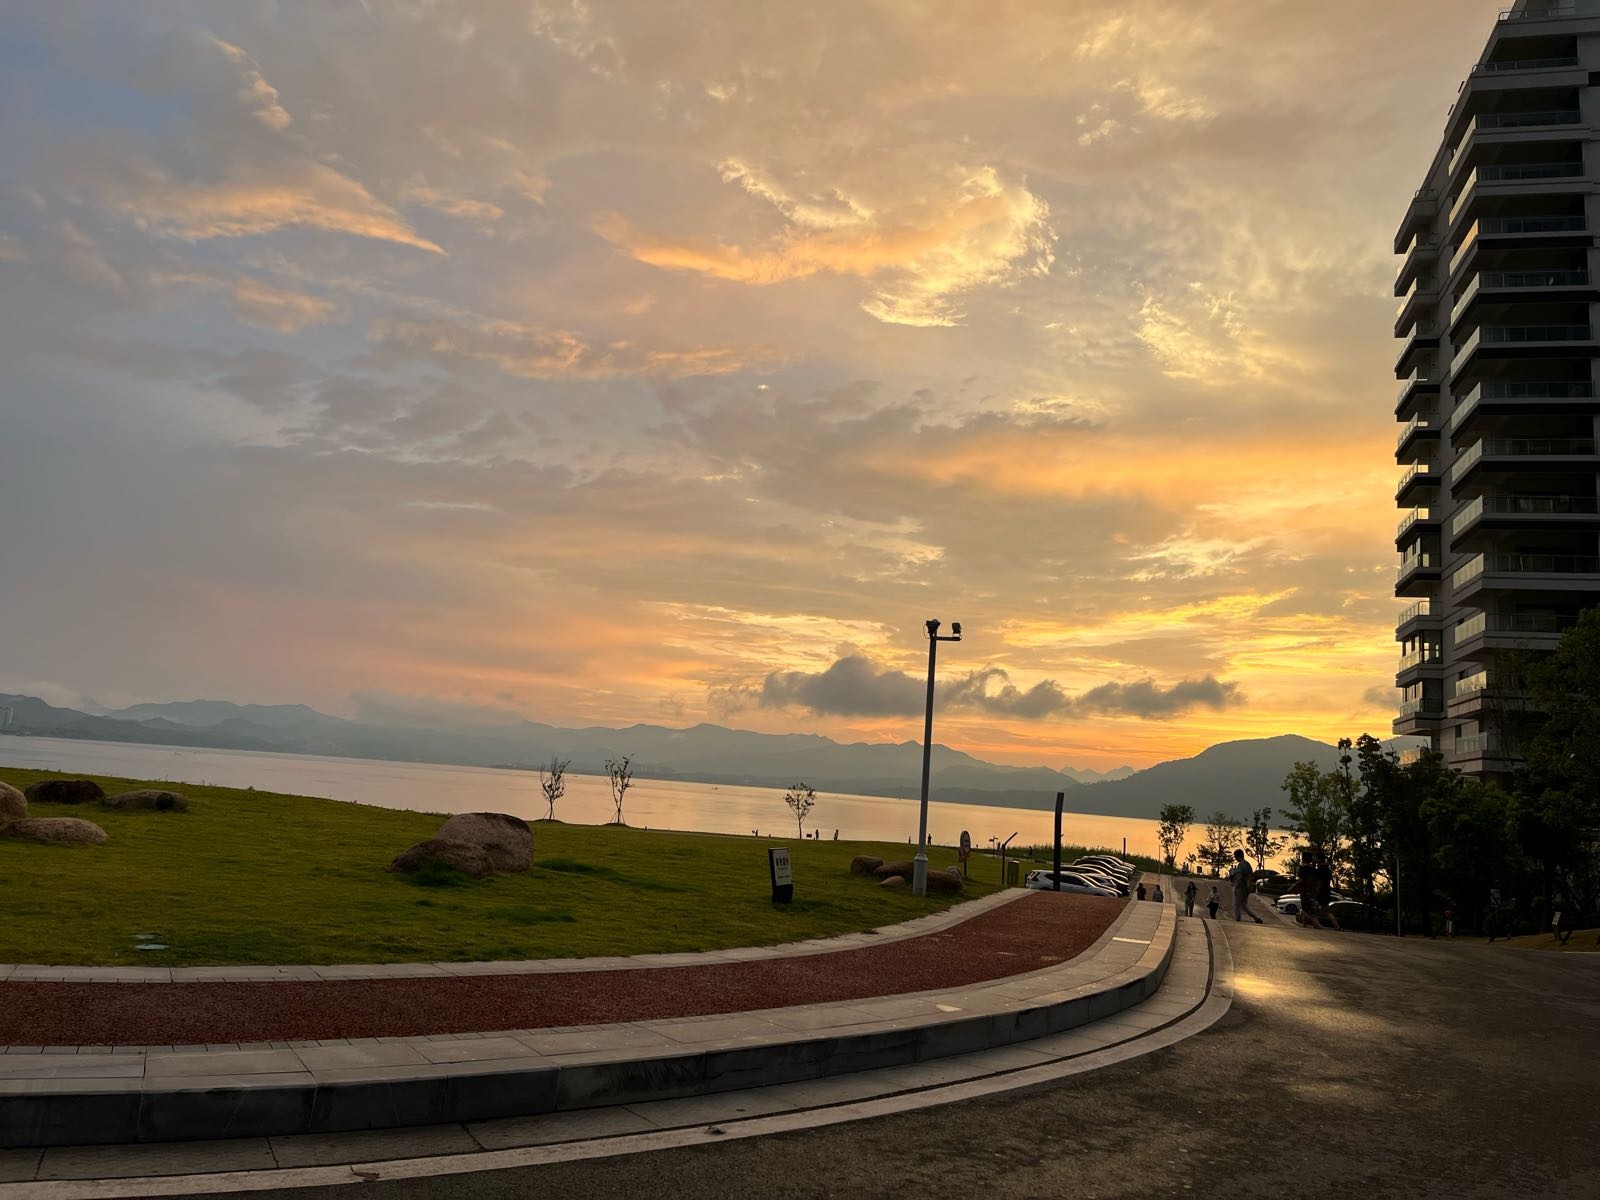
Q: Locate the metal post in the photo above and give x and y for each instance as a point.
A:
(1060, 799)
(919, 864)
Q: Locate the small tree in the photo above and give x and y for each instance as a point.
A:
(1259, 840)
(621, 775)
(1223, 835)
(553, 782)
(1316, 809)
(800, 799)
(1175, 821)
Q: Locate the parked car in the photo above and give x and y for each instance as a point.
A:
(1113, 866)
(1044, 881)
(1363, 918)
(1100, 879)
(1290, 903)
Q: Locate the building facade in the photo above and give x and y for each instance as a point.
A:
(1498, 321)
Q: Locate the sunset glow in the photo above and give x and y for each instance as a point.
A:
(644, 361)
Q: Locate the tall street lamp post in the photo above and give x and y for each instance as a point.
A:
(919, 865)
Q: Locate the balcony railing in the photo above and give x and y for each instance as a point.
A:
(1545, 389)
(1422, 706)
(1471, 685)
(1422, 608)
(1488, 281)
(1525, 64)
(1414, 471)
(1508, 226)
(1427, 420)
(1510, 120)
(1535, 447)
(1515, 172)
(1501, 563)
(1423, 657)
(1512, 623)
(1466, 462)
(1419, 286)
(1420, 560)
(1535, 505)
(1468, 514)
(1519, 335)
(1419, 376)
(1411, 518)
(1480, 745)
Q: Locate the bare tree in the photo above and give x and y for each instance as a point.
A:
(621, 774)
(800, 799)
(553, 782)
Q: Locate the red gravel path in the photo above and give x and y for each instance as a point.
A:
(1036, 931)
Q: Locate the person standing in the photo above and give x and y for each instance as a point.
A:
(1189, 894)
(1214, 902)
(1139, 892)
(1240, 877)
(1160, 896)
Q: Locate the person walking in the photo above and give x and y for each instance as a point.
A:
(1189, 894)
(1240, 877)
(1139, 891)
(1160, 896)
(1214, 902)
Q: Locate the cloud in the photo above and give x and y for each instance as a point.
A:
(255, 91)
(976, 231)
(529, 352)
(855, 686)
(250, 201)
(267, 307)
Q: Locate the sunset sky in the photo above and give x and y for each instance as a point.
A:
(670, 361)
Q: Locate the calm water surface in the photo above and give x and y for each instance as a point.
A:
(656, 804)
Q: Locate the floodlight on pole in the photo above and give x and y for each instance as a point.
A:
(919, 864)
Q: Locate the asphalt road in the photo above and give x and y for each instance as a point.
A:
(1349, 1066)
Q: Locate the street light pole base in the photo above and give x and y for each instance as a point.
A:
(919, 874)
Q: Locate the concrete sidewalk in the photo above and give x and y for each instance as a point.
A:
(58, 1096)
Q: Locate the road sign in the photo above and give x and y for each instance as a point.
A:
(966, 849)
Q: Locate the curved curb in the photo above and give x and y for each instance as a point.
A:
(1125, 967)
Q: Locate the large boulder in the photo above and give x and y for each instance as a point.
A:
(903, 868)
(944, 881)
(864, 864)
(57, 831)
(506, 839)
(65, 791)
(13, 804)
(148, 798)
(465, 857)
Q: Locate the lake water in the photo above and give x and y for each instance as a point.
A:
(651, 803)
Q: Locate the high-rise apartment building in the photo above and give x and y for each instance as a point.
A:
(1498, 321)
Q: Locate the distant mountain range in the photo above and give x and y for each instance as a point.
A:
(1234, 777)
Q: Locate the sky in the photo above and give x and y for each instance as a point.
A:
(646, 360)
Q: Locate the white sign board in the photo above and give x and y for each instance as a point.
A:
(782, 875)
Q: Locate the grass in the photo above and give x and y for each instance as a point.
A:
(248, 877)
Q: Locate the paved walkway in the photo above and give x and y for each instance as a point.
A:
(74, 1095)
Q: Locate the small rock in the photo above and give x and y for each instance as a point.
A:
(57, 831)
(895, 868)
(864, 864)
(506, 839)
(462, 856)
(65, 791)
(13, 804)
(893, 881)
(148, 798)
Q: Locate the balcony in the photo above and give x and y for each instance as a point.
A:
(1419, 437)
(1555, 229)
(1523, 341)
(1524, 512)
(1422, 296)
(1509, 397)
(1414, 524)
(1424, 336)
(1418, 570)
(1424, 253)
(1495, 122)
(1416, 386)
(1415, 618)
(1426, 660)
(1423, 208)
(1522, 285)
(1484, 631)
(1505, 175)
(1522, 455)
(1419, 715)
(1483, 752)
(1512, 572)
(1416, 479)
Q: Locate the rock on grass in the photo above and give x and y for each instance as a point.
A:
(507, 840)
(65, 791)
(440, 852)
(13, 804)
(56, 831)
(152, 798)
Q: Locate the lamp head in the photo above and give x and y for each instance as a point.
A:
(933, 628)
(955, 628)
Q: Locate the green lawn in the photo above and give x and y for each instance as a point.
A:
(256, 877)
